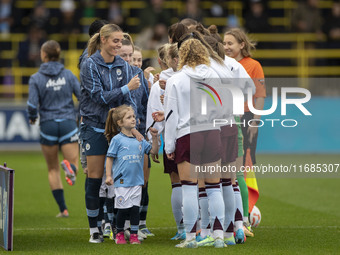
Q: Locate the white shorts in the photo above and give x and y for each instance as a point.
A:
(127, 197)
(106, 190)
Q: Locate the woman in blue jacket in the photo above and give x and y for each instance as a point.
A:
(106, 84)
(50, 95)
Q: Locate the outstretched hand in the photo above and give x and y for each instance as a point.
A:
(158, 116)
(147, 72)
(153, 131)
(155, 77)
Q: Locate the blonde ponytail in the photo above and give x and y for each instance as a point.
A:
(93, 44)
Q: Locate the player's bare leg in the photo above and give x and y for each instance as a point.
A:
(51, 157)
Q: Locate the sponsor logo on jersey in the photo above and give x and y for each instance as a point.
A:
(56, 84)
(132, 157)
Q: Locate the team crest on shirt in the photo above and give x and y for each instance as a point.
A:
(119, 74)
(140, 147)
(120, 200)
(87, 146)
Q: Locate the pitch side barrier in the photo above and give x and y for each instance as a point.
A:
(6, 207)
(16, 134)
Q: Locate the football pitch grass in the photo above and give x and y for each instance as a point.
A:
(299, 215)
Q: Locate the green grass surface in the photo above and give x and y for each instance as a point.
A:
(299, 216)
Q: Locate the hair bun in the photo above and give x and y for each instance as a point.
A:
(213, 29)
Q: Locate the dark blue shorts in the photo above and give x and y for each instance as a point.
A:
(93, 139)
(60, 132)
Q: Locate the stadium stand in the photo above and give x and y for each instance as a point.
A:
(282, 52)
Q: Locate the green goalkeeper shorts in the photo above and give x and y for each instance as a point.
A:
(239, 137)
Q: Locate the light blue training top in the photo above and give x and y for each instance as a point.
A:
(50, 93)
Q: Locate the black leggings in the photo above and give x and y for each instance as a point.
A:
(123, 214)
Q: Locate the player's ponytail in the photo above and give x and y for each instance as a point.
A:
(176, 30)
(172, 51)
(127, 41)
(198, 36)
(94, 44)
(214, 33)
(200, 28)
(162, 53)
(215, 45)
(110, 128)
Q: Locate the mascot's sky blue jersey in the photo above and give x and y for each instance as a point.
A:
(50, 92)
(128, 154)
(104, 86)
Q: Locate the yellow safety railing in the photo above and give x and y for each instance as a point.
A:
(232, 7)
(298, 54)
